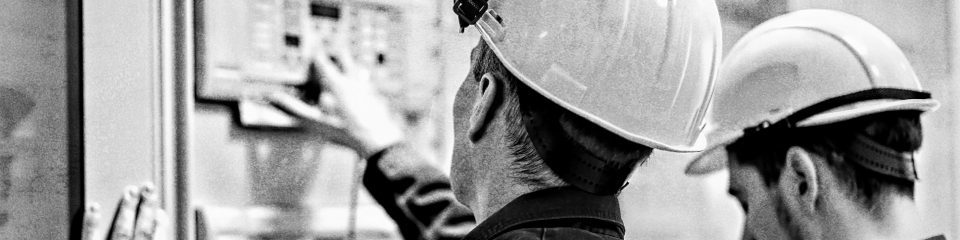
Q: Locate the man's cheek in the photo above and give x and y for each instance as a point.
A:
(462, 106)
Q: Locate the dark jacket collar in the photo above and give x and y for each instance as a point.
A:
(938, 237)
(564, 203)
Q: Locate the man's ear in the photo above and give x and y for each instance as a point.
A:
(798, 182)
(485, 106)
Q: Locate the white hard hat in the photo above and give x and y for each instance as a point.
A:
(641, 69)
(803, 69)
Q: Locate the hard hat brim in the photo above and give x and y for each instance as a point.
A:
(715, 157)
(859, 109)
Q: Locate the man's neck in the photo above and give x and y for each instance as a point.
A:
(498, 193)
(894, 217)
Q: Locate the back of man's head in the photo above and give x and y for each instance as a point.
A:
(898, 131)
(529, 166)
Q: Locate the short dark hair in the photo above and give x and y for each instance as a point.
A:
(528, 166)
(901, 131)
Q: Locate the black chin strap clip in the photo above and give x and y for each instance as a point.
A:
(469, 11)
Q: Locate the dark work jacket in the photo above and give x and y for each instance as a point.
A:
(555, 213)
(417, 196)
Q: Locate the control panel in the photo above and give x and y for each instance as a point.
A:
(246, 49)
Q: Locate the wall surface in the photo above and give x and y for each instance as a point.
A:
(33, 120)
(120, 97)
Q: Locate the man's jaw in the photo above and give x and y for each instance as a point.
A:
(786, 220)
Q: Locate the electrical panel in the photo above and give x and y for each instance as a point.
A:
(246, 49)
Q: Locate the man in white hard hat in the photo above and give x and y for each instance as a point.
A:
(564, 99)
(817, 116)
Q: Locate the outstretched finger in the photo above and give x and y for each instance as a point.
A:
(91, 223)
(342, 44)
(344, 57)
(126, 215)
(146, 225)
(328, 69)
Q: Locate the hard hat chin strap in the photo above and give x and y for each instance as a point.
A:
(881, 159)
(863, 151)
(570, 161)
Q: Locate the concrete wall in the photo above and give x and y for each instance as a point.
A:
(33, 118)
